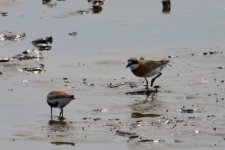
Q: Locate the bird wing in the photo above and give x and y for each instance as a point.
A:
(59, 94)
(151, 64)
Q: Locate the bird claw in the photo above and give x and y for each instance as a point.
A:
(147, 92)
(61, 118)
(152, 92)
(155, 91)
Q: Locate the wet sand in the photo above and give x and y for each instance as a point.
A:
(109, 112)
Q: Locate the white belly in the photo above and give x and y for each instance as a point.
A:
(155, 71)
(62, 102)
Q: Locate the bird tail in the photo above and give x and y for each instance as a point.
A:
(165, 61)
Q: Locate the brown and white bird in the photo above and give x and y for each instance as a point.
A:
(59, 99)
(146, 68)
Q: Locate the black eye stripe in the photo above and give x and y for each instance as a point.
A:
(132, 61)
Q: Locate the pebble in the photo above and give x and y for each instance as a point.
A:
(124, 133)
(43, 43)
(140, 115)
(4, 13)
(187, 110)
(73, 33)
(63, 143)
(212, 52)
(146, 140)
(29, 54)
(11, 36)
(5, 59)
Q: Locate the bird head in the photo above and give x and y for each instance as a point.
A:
(132, 63)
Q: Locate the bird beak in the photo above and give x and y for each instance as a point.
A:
(128, 65)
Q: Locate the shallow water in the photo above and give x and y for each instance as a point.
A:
(101, 115)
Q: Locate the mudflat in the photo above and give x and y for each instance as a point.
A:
(87, 57)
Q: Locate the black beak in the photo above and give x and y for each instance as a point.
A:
(128, 65)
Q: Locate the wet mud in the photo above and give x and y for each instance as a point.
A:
(82, 47)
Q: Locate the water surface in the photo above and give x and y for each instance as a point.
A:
(98, 54)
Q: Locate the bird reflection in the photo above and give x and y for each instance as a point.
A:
(59, 128)
(145, 106)
(166, 6)
(148, 93)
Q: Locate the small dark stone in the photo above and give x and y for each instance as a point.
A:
(133, 137)
(96, 9)
(73, 33)
(6, 59)
(187, 110)
(63, 143)
(157, 86)
(46, 40)
(4, 13)
(146, 140)
(140, 115)
(92, 84)
(45, 1)
(124, 133)
(44, 47)
(166, 6)
(96, 119)
(82, 12)
(33, 69)
(213, 52)
(9, 35)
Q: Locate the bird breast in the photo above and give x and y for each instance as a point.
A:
(141, 71)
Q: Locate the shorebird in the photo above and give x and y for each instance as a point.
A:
(59, 99)
(146, 68)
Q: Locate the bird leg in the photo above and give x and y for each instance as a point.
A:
(153, 79)
(61, 114)
(146, 83)
(51, 112)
